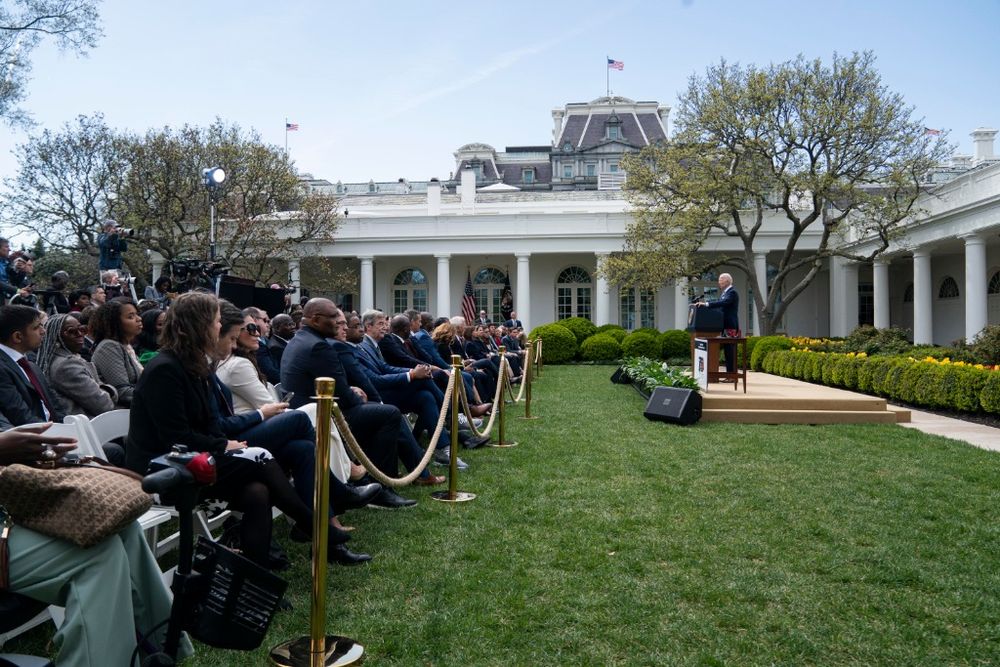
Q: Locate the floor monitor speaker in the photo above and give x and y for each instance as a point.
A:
(674, 405)
(621, 377)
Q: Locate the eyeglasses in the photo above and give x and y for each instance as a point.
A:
(252, 329)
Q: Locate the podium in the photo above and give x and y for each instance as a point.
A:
(705, 323)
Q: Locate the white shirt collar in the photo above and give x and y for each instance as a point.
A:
(12, 353)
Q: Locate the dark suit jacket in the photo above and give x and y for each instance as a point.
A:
(276, 346)
(232, 424)
(355, 374)
(20, 401)
(395, 352)
(477, 350)
(308, 356)
(268, 367)
(513, 323)
(423, 341)
(729, 303)
(170, 406)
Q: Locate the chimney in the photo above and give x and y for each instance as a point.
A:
(663, 112)
(961, 161)
(982, 139)
(557, 123)
(468, 191)
(434, 197)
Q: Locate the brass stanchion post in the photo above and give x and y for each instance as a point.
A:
(526, 379)
(453, 495)
(501, 406)
(538, 355)
(319, 649)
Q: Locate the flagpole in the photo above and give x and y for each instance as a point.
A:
(607, 75)
(286, 136)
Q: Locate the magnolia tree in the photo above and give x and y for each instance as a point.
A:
(70, 181)
(821, 148)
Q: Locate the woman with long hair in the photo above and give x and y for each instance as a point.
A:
(114, 327)
(176, 402)
(73, 379)
(148, 343)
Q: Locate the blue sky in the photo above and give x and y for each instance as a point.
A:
(390, 89)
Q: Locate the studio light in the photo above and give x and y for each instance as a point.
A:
(213, 176)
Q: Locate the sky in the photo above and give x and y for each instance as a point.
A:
(389, 89)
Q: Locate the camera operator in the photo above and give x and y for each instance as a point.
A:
(112, 246)
(20, 276)
(54, 301)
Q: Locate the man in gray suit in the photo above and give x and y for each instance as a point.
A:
(24, 394)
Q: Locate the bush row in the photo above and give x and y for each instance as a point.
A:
(608, 342)
(945, 385)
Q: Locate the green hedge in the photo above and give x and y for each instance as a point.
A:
(581, 327)
(558, 343)
(615, 331)
(948, 386)
(600, 347)
(675, 344)
(642, 344)
(763, 346)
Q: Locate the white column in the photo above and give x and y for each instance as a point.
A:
(680, 303)
(156, 260)
(443, 308)
(923, 308)
(843, 296)
(523, 303)
(602, 299)
(367, 284)
(760, 271)
(295, 278)
(880, 284)
(975, 285)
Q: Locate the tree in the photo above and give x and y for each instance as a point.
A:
(24, 24)
(798, 145)
(69, 182)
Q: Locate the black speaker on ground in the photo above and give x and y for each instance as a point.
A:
(621, 377)
(673, 405)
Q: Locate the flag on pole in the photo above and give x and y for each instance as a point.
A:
(616, 64)
(928, 131)
(291, 127)
(469, 301)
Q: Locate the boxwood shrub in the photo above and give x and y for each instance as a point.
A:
(641, 344)
(581, 327)
(615, 331)
(558, 343)
(675, 344)
(989, 396)
(600, 347)
(763, 346)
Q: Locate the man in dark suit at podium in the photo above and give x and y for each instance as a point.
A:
(729, 303)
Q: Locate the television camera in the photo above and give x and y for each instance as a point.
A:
(191, 274)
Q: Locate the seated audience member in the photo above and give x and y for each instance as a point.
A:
(78, 300)
(459, 346)
(282, 329)
(113, 591)
(54, 301)
(159, 292)
(74, 381)
(265, 362)
(111, 281)
(83, 317)
(417, 341)
(175, 403)
(296, 313)
(512, 341)
(287, 434)
(25, 395)
(147, 344)
(98, 296)
(377, 427)
(114, 327)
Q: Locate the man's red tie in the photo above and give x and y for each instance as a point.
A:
(33, 379)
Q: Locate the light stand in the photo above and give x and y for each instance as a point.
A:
(213, 178)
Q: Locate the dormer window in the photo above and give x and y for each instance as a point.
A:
(528, 175)
(567, 171)
(567, 147)
(371, 186)
(613, 128)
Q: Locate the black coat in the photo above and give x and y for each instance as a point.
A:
(308, 356)
(21, 403)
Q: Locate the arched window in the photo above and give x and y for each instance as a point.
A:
(636, 308)
(573, 290)
(949, 289)
(409, 291)
(488, 286)
(994, 286)
(908, 294)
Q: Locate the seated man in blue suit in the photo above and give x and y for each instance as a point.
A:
(729, 303)
(24, 392)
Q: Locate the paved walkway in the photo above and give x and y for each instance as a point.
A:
(986, 437)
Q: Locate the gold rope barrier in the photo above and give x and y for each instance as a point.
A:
(318, 648)
(497, 398)
(526, 379)
(453, 495)
(382, 478)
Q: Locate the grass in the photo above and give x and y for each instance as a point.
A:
(606, 539)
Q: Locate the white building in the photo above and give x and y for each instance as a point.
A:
(545, 215)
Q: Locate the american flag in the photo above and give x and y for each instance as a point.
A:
(929, 131)
(616, 64)
(291, 127)
(469, 301)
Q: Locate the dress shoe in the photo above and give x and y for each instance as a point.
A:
(390, 500)
(344, 556)
(430, 480)
(354, 497)
(333, 537)
(471, 441)
(442, 456)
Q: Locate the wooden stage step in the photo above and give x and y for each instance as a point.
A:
(771, 399)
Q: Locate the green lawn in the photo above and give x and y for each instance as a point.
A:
(606, 539)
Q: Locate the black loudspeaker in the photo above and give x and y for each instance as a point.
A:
(673, 405)
(621, 377)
